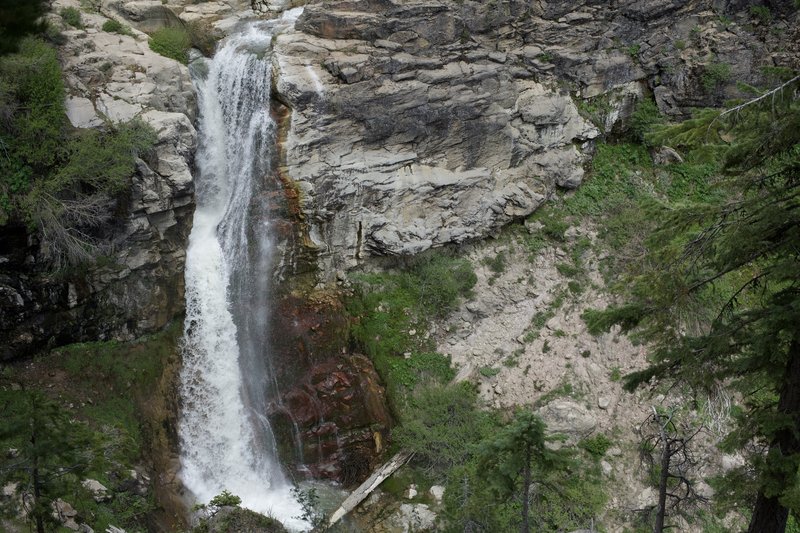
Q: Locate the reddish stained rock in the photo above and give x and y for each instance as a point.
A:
(330, 416)
(329, 412)
(336, 412)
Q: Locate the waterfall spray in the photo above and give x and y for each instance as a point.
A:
(226, 441)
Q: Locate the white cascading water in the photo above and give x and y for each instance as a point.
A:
(226, 441)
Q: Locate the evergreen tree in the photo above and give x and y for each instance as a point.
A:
(518, 464)
(723, 303)
(48, 453)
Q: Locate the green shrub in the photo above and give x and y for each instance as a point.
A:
(496, 263)
(442, 425)
(72, 16)
(439, 282)
(715, 74)
(575, 287)
(644, 118)
(488, 371)
(597, 446)
(391, 312)
(568, 270)
(173, 42)
(225, 499)
(762, 13)
(115, 26)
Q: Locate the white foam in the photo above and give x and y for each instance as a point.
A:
(222, 446)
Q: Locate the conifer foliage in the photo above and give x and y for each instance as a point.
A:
(722, 304)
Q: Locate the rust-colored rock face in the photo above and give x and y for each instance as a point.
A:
(336, 413)
(328, 411)
(329, 414)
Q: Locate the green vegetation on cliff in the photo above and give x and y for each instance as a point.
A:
(62, 182)
(97, 410)
(392, 312)
(717, 292)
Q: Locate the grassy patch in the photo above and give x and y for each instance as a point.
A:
(488, 371)
(115, 26)
(597, 445)
(112, 374)
(172, 42)
(72, 16)
(100, 388)
(391, 312)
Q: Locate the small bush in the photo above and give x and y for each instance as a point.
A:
(644, 118)
(715, 74)
(575, 287)
(497, 263)
(225, 499)
(442, 425)
(488, 371)
(72, 17)
(115, 26)
(597, 446)
(567, 270)
(173, 43)
(762, 13)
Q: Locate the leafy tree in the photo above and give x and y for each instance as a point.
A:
(723, 303)
(48, 454)
(17, 19)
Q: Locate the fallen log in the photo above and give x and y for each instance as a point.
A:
(372, 482)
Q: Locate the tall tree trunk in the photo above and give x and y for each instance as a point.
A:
(37, 483)
(525, 527)
(662, 482)
(769, 515)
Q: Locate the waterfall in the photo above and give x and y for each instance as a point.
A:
(226, 441)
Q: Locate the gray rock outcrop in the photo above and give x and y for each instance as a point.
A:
(414, 125)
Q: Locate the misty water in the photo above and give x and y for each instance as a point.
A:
(226, 379)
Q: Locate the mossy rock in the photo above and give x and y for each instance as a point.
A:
(241, 520)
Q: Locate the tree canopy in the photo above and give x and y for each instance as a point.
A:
(721, 303)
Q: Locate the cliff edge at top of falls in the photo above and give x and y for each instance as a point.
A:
(417, 124)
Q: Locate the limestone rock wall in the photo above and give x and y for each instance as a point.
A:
(417, 124)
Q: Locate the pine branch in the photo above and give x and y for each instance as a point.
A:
(739, 107)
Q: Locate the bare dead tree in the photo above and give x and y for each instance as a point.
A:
(666, 448)
(65, 227)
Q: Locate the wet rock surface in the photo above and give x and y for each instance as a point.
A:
(329, 412)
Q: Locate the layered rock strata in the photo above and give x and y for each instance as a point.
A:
(418, 124)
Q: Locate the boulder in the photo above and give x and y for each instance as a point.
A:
(413, 517)
(99, 492)
(569, 418)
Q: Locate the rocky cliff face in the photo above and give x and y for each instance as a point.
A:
(139, 288)
(418, 124)
(407, 126)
